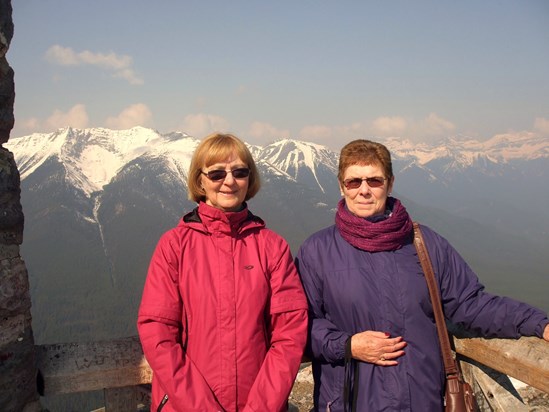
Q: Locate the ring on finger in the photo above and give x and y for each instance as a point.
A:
(382, 358)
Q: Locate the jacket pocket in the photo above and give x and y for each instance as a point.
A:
(163, 402)
(184, 326)
(332, 394)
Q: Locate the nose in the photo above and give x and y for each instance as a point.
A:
(364, 188)
(229, 179)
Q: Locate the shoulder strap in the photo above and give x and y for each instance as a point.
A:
(449, 364)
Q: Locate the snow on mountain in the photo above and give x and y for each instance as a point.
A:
(92, 157)
(466, 151)
(291, 154)
(525, 146)
(296, 159)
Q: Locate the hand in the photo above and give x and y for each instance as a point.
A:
(546, 333)
(377, 347)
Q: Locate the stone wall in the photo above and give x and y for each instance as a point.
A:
(17, 365)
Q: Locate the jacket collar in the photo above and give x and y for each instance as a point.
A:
(210, 219)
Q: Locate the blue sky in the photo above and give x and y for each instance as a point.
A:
(321, 71)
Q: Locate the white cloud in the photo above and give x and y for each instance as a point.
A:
(335, 136)
(267, 132)
(432, 127)
(201, 124)
(76, 117)
(541, 125)
(389, 126)
(135, 115)
(129, 75)
(435, 125)
(316, 132)
(121, 66)
(29, 125)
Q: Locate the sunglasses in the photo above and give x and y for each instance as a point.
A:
(370, 181)
(217, 175)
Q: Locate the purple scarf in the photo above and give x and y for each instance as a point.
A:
(386, 234)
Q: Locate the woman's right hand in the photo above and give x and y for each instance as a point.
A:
(377, 347)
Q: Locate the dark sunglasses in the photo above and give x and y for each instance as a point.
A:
(370, 181)
(217, 175)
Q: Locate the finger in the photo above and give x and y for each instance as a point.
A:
(394, 346)
(393, 341)
(377, 334)
(392, 355)
(384, 361)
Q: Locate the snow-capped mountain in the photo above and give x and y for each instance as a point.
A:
(490, 181)
(308, 163)
(92, 157)
(97, 200)
(465, 151)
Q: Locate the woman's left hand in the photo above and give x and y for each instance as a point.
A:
(546, 333)
(377, 347)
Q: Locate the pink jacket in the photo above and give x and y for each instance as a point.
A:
(223, 318)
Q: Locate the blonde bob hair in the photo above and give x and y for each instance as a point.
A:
(218, 147)
(366, 153)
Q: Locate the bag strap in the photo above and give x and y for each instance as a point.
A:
(449, 363)
(350, 390)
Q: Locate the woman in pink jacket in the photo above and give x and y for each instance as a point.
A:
(223, 317)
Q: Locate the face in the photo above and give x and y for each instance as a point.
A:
(366, 201)
(229, 193)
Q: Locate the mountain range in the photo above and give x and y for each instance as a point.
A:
(97, 200)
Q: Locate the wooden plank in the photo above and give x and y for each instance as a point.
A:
(82, 367)
(493, 390)
(120, 399)
(526, 359)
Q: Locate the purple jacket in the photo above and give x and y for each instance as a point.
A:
(351, 291)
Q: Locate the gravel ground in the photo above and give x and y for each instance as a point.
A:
(301, 397)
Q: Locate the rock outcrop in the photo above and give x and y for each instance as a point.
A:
(18, 391)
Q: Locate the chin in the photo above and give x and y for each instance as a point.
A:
(231, 207)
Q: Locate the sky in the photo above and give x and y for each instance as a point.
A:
(320, 71)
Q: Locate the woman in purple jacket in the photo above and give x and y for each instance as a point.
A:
(368, 297)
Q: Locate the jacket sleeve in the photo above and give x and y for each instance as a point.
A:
(326, 340)
(161, 331)
(288, 331)
(466, 302)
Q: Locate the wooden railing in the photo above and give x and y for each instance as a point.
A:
(119, 368)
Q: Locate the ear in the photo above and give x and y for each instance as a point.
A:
(341, 189)
(390, 185)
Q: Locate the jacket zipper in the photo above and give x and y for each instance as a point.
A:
(162, 403)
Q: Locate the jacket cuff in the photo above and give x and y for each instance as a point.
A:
(343, 346)
(541, 327)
